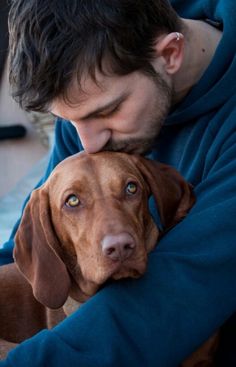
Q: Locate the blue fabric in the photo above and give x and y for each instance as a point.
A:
(189, 289)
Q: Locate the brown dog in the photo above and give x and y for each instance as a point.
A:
(92, 213)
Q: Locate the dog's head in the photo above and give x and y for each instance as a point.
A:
(90, 222)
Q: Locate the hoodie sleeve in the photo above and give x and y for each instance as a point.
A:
(66, 143)
(187, 292)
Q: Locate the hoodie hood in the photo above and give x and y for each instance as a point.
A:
(220, 75)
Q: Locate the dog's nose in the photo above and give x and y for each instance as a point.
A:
(118, 247)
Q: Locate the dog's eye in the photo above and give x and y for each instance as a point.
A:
(72, 201)
(131, 188)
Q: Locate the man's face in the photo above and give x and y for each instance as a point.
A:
(118, 113)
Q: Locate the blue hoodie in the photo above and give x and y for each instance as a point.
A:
(189, 289)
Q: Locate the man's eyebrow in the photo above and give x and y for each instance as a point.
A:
(114, 103)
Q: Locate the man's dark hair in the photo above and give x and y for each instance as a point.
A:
(52, 41)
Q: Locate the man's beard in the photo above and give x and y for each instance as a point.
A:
(137, 146)
(144, 144)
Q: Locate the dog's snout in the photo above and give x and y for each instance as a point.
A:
(118, 247)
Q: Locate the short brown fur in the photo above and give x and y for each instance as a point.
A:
(58, 247)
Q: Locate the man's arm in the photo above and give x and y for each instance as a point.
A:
(66, 144)
(186, 294)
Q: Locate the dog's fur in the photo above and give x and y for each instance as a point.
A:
(88, 223)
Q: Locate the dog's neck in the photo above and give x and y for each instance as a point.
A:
(76, 297)
(71, 305)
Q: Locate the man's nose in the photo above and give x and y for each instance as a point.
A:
(92, 137)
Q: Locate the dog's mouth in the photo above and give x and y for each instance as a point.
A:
(95, 271)
(129, 269)
(89, 283)
(115, 270)
(87, 288)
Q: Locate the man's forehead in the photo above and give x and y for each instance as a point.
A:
(77, 94)
(91, 94)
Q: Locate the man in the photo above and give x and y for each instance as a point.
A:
(133, 76)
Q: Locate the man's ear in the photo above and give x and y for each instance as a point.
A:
(171, 48)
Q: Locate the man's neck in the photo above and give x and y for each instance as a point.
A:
(201, 41)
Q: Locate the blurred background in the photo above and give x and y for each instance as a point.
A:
(25, 141)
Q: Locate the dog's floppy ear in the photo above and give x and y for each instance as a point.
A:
(35, 254)
(173, 195)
